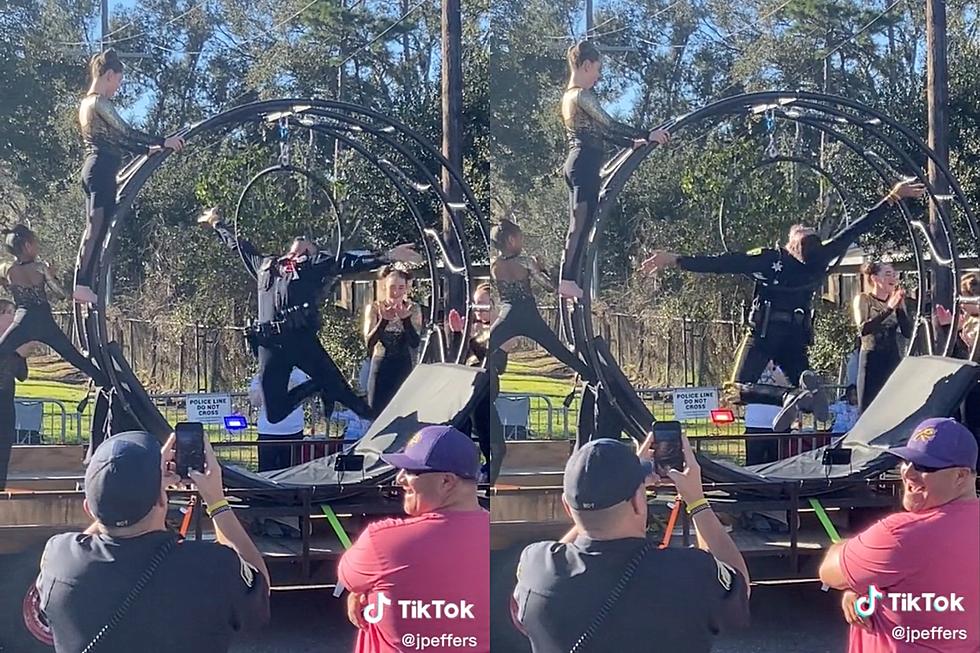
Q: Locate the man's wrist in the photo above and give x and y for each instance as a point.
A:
(212, 498)
(693, 498)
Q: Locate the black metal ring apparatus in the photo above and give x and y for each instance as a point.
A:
(897, 153)
(413, 168)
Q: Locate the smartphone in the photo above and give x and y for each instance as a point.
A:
(668, 453)
(189, 448)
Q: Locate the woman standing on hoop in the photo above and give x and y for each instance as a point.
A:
(588, 127)
(107, 138)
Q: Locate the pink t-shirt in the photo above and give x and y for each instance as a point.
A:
(936, 551)
(433, 557)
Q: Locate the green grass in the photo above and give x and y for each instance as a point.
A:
(535, 372)
(527, 375)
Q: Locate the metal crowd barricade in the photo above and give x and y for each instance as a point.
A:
(532, 415)
(173, 407)
(45, 421)
(730, 441)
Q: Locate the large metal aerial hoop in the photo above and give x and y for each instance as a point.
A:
(411, 166)
(897, 152)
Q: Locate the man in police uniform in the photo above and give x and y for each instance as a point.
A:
(130, 583)
(781, 323)
(287, 333)
(607, 587)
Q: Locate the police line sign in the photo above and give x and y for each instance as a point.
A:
(694, 403)
(207, 409)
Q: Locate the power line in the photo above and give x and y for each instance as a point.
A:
(381, 34)
(278, 25)
(238, 45)
(135, 36)
(863, 29)
(757, 21)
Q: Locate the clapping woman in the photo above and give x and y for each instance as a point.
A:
(391, 331)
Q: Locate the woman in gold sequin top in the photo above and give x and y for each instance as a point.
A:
(880, 315)
(391, 331)
(588, 129)
(107, 138)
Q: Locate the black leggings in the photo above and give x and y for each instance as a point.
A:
(8, 424)
(582, 177)
(874, 368)
(386, 376)
(524, 319)
(99, 183)
(786, 346)
(488, 428)
(37, 323)
(303, 350)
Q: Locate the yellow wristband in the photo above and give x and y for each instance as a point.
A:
(221, 503)
(697, 504)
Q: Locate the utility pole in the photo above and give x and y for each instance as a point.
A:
(937, 94)
(104, 15)
(589, 19)
(340, 97)
(452, 142)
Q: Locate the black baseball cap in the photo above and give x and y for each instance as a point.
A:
(602, 473)
(123, 478)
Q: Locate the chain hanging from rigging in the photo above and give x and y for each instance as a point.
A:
(770, 122)
(284, 151)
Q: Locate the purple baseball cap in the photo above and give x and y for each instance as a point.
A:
(438, 449)
(940, 442)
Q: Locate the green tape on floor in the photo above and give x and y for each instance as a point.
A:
(335, 524)
(825, 520)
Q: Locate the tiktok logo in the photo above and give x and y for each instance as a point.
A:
(865, 606)
(375, 612)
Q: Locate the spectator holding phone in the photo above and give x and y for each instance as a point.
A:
(933, 546)
(129, 584)
(606, 587)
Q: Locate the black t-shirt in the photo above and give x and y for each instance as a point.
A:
(199, 595)
(677, 600)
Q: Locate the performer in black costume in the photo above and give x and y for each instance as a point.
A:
(880, 315)
(391, 331)
(485, 421)
(588, 128)
(287, 331)
(13, 368)
(28, 280)
(519, 316)
(107, 138)
(780, 322)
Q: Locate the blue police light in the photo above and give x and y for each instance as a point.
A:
(235, 423)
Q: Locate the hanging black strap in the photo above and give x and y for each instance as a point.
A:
(158, 558)
(583, 642)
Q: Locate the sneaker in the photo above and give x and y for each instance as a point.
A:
(84, 295)
(792, 405)
(819, 405)
(569, 289)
